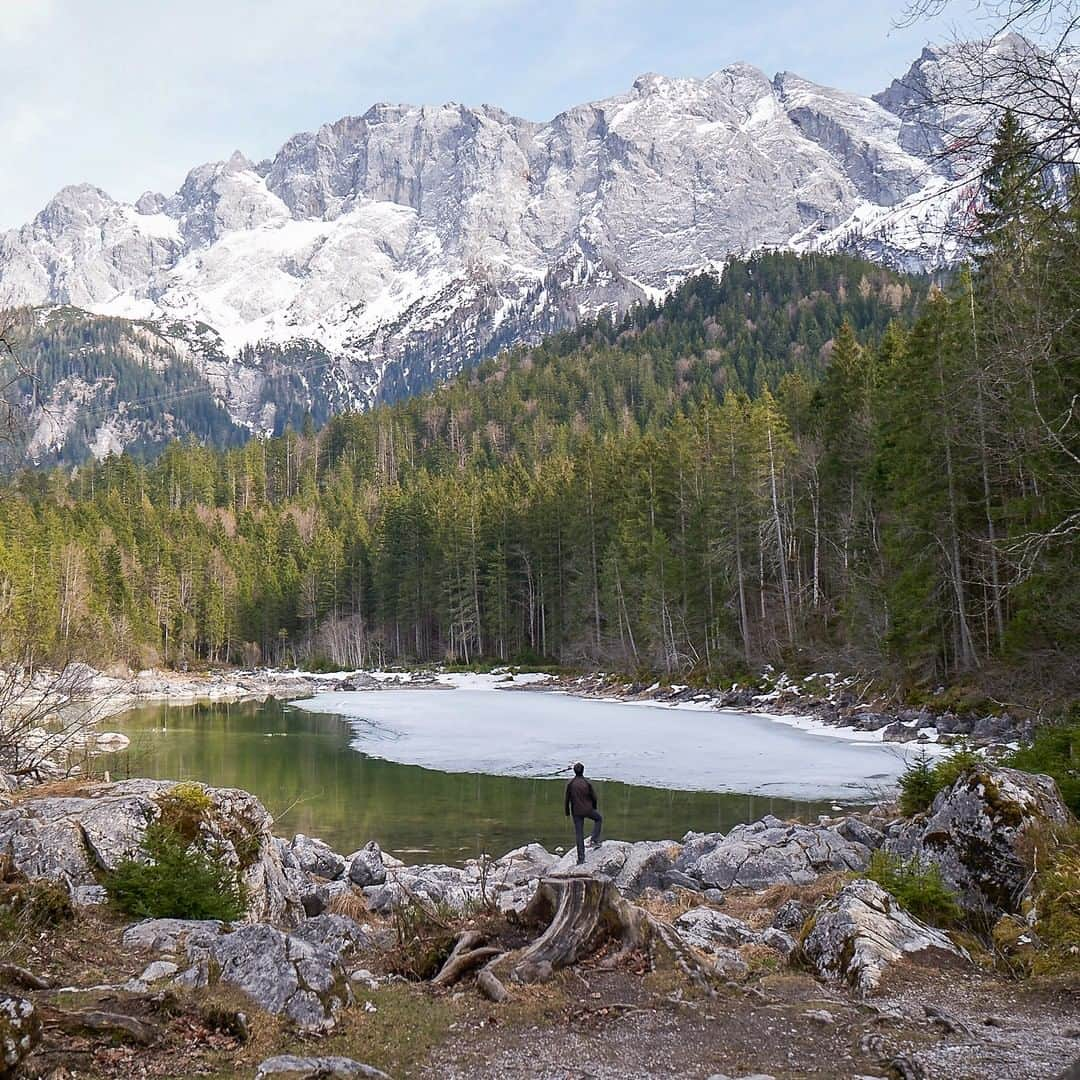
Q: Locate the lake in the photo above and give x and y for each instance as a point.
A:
(442, 775)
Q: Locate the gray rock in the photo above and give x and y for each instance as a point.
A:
(20, 1032)
(301, 975)
(790, 916)
(780, 940)
(285, 852)
(673, 878)
(158, 970)
(707, 929)
(167, 936)
(70, 839)
(288, 1067)
(851, 828)
(900, 732)
(89, 895)
(367, 867)
(770, 852)
(977, 832)
(315, 857)
(647, 864)
(607, 859)
(522, 864)
(633, 867)
(860, 934)
(728, 964)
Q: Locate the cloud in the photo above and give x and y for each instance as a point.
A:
(20, 19)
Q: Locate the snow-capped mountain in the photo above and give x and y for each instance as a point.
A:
(383, 251)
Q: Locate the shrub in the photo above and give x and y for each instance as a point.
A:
(184, 809)
(921, 781)
(1054, 751)
(176, 879)
(917, 886)
(425, 935)
(917, 788)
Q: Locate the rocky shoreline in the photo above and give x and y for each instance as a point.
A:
(758, 916)
(818, 701)
(830, 701)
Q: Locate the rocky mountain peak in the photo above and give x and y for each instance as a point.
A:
(409, 240)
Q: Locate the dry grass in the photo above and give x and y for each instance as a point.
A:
(69, 788)
(669, 910)
(826, 887)
(351, 904)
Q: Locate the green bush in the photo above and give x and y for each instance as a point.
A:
(178, 879)
(917, 886)
(922, 780)
(1054, 751)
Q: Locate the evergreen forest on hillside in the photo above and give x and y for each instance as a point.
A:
(812, 460)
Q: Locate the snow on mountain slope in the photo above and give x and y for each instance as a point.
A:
(383, 251)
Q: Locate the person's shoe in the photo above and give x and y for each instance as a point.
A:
(595, 843)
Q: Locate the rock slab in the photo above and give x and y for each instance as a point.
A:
(288, 1067)
(863, 932)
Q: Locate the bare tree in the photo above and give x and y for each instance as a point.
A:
(15, 377)
(1025, 61)
(48, 719)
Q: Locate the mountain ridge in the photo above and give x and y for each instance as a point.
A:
(396, 246)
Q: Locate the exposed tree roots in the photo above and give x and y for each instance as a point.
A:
(573, 916)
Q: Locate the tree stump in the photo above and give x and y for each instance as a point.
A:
(579, 913)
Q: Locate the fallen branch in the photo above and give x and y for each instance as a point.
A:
(12, 973)
(100, 1023)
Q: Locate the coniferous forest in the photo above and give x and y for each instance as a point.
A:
(810, 461)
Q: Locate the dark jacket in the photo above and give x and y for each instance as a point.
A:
(580, 797)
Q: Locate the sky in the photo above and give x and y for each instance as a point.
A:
(131, 94)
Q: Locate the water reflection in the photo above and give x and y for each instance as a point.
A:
(302, 768)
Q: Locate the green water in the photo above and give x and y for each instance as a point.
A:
(302, 768)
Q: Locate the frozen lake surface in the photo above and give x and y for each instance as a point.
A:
(539, 734)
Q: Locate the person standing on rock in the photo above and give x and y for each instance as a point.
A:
(581, 804)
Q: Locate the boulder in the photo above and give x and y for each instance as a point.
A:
(313, 893)
(980, 833)
(20, 1032)
(366, 867)
(288, 1067)
(300, 975)
(164, 937)
(707, 929)
(719, 934)
(790, 916)
(852, 828)
(862, 932)
(521, 865)
(315, 857)
(435, 883)
(770, 852)
(607, 859)
(71, 839)
(633, 867)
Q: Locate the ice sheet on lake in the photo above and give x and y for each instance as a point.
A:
(541, 734)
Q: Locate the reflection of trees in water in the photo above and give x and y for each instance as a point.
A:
(301, 766)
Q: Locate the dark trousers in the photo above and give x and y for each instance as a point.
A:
(579, 831)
